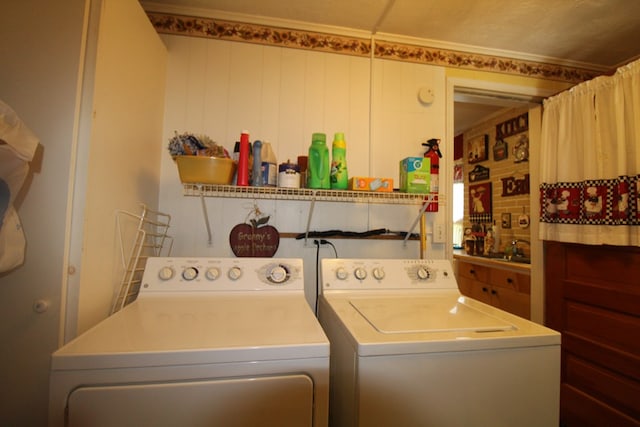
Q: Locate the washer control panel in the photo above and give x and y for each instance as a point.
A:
(349, 274)
(181, 274)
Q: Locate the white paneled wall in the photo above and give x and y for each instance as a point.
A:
(220, 88)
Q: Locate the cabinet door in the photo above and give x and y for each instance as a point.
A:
(510, 300)
(474, 289)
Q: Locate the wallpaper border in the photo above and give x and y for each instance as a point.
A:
(193, 26)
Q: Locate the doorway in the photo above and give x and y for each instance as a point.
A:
(470, 102)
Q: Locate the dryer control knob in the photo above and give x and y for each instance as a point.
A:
(234, 273)
(341, 273)
(378, 273)
(190, 273)
(212, 273)
(423, 273)
(165, 273)
(360, 273)
(278, 274)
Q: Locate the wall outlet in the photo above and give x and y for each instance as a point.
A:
(438, 232)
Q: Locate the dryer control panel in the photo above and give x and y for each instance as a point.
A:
(184, 274)
(369, 274)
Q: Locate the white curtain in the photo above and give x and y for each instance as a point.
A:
(590, 162)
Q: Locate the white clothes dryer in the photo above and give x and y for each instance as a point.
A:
(229, 342)
(407, 349)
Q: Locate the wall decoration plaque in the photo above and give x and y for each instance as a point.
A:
(480, 202)
(500, 150)
(478, 149)
(479, 173)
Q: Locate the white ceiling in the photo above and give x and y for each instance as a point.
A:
(595, 34)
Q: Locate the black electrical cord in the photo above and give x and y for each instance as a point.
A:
(326, 242)
(318, 243)
(353, 234)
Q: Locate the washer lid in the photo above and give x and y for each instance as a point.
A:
(383, 323)
(401, 315)
(183, 330)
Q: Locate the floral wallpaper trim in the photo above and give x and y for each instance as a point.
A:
(261, 34)
(298, 39)
(452, 58)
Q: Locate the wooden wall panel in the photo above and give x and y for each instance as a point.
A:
(593, 299)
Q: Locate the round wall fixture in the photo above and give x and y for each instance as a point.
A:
(425, 95)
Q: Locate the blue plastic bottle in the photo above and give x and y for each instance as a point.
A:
(256, 174)
(319, 166)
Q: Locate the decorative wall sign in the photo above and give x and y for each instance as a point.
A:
(458, 175)
(505, 220)
(512, 126)
(480, 202)
(514, 187)
(500, 150)
(479, 173)
(256, 239)
(521, 150)
(478, 149)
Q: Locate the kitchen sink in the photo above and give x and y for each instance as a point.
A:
(503, 257)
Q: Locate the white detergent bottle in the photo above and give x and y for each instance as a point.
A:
(269, 165)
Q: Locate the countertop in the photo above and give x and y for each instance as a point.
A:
(493, 262)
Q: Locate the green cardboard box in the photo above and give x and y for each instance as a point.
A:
(415, 175)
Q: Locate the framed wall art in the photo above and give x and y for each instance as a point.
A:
(500, 150)
(478, 149)
(480, 202)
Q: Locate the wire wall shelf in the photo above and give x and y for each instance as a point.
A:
(307, 194)
(280, 193)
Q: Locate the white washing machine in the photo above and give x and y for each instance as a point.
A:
(224, 342)
(407, 349)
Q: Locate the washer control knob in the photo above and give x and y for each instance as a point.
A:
(234, 273)
(360, 273)
(423, 273)
(165, 273)
(378, 273)
(190, 273)
(212, 273)
(278, 274)
(341, 273)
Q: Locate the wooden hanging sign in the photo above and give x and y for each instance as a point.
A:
(479, 173)
(514, 187)
(256, 239)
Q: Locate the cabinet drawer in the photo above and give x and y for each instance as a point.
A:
(474, 289)
(473, 271)
(509, 300)
(508, 279)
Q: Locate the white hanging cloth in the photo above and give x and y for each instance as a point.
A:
(590, 168)
(17, 147)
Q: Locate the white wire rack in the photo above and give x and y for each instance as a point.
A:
(151, 239)
(307, 194)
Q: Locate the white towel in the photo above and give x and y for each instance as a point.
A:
(17, 147)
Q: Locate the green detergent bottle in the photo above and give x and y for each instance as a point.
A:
(318, 168)
(339, 177)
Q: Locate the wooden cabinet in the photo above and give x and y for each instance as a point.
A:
(592, 297)
(503, 288)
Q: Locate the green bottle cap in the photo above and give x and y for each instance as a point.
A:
(338, 140)
(319, 137)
